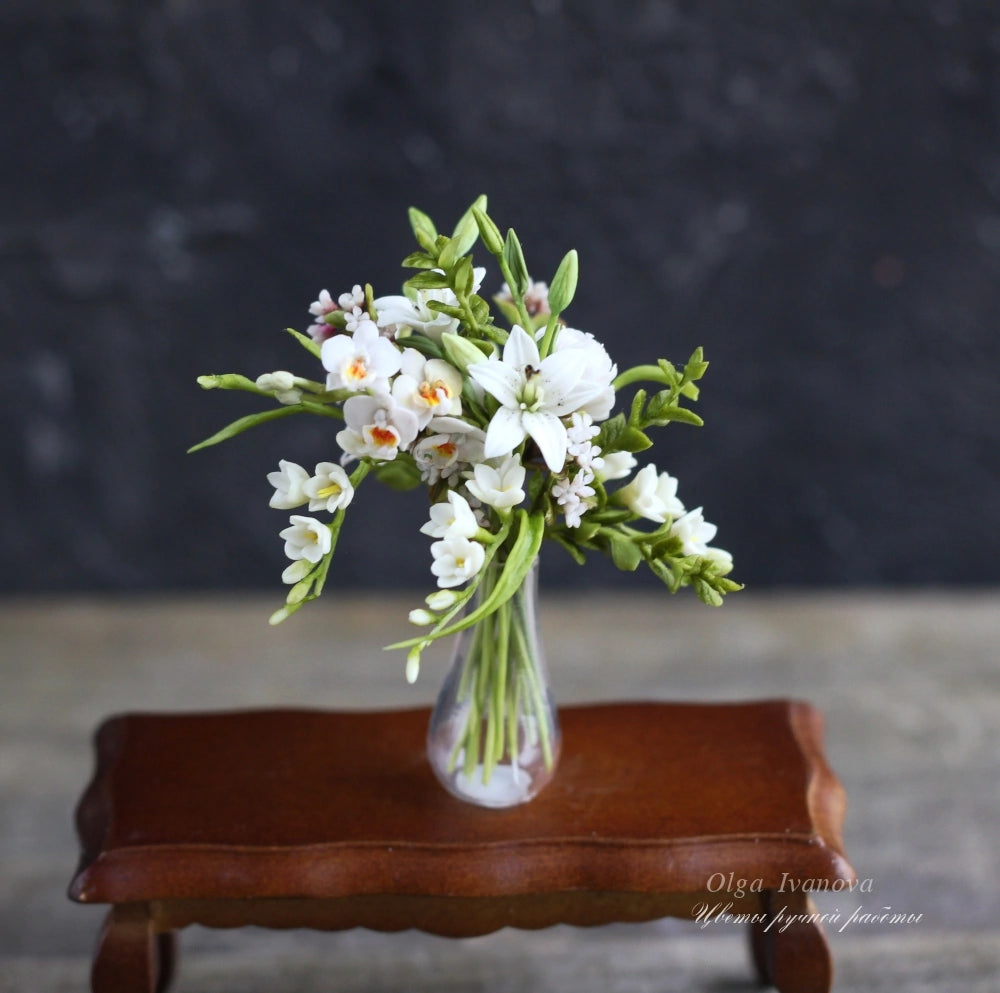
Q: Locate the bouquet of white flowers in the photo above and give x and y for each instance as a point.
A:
(505, 415)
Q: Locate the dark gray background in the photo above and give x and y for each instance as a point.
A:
(810, 191)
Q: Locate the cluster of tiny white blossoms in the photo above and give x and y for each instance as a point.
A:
(511, 432)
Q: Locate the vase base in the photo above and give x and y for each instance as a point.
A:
(508, 785)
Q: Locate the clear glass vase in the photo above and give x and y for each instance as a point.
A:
(494, 733)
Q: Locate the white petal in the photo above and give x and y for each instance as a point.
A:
(520, 350)
(500, 379)
(504, 434)
(550, 434)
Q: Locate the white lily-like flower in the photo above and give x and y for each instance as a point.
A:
(694, 531)
(288, 482)
(456, 561)
(428, 387)
(617, 465)
(652, 496)
(400, 312)
(377, 427)
(534, 394)
(329, 488)
(598, 368)
(500, 487)
(306, 538)
(451, 518)
(362, 361)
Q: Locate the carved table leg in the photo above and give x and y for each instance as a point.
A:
(789, 950)
(130, 957)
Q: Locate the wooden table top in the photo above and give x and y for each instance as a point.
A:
(649, 797)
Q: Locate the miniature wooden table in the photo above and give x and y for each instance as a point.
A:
(300, 818)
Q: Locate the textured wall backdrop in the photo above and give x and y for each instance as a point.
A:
(810, 191)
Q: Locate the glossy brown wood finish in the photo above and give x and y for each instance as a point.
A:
(306, 818)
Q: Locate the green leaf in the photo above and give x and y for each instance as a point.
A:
(428, 280)
(448, 255)
(633, 440)
(681, 414)
(563, 287)
(419, 260)
(696, 365)
(399, 474)
(514, 258)
(463, 277)
(312, 347)
(624, 552)
(467, 229)
(445, 308)
(423, 230)
(423, 345)
(611, 431)
(243, 424)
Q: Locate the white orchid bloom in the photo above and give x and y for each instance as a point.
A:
(288, 482)
(329, 488)
(534, 394)
(377, 427)
(652, 496)
(306, 538)
(456, 561)
(362, 361)
(400, 312)
(428, 387)
(452, 518)
(598, 368)
(500, 487)
(617, 465)
(694, 531)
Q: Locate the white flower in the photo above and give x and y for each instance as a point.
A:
(436, 457)
(400, 312)
(323, 305)
(598, 368)
(356, 298)
(536, 297)
(651, 496)
(306, 538)
(580, 448)
(329, 488)
(355, 319)
(452, 518)
(617, 465)
(534, 393)
(282, 385)
(572, 495)
(456, 560)
(361, 361)
(428, 387)
(377, 427)
(694, 531)
(288, 483)
(499, 487)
